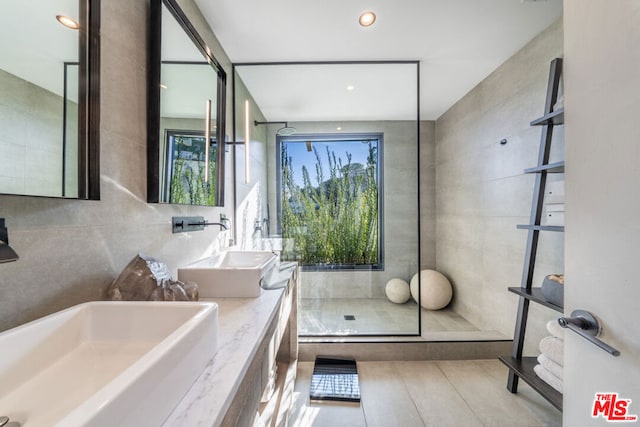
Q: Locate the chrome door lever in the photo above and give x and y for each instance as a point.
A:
(587, 326)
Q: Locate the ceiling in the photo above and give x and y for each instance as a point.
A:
(458, 42)
(333, 92)
(33, 45)
(185, 88)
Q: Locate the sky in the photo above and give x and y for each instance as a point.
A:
(297, 150)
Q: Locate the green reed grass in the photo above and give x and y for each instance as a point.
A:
(188, 186)
(334, 218)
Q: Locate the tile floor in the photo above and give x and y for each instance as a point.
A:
(373, 317)
(426, 393)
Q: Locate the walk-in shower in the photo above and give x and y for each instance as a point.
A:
(341, 193)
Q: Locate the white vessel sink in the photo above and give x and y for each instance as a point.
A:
(105, 363)
(234, 274)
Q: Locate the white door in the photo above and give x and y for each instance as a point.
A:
(602, 248)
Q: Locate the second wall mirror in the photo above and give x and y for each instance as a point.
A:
(186, 113)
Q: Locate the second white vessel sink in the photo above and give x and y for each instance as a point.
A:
(233, 274)
(105, 363)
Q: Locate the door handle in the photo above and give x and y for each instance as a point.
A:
(587, 326)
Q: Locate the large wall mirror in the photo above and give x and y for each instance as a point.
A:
(49, 98)
(186, 114)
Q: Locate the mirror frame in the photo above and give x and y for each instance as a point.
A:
(90, 82)
(88, 105)
(153, 99)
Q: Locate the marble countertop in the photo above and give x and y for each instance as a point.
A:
(243, 322)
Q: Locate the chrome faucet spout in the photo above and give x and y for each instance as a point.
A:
(206, 224)
(225, 220)
(181, 224)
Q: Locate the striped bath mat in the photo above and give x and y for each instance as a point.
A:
(335, 379)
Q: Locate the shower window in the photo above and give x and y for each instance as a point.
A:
(330, 200)
(184, 175)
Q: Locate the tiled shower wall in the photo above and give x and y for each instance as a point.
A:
(71, 250)
(31, 123)
(427, 194)
(482, 193)
(400, 209)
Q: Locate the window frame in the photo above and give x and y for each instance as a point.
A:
(170, 135)
(337, 137)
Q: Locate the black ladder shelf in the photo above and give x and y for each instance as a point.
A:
(519, 366)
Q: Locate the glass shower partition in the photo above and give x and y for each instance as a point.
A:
(341, 192)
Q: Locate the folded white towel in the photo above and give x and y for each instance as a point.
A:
(555, 329)
(553, 348)
(551, 366)
(548, 377)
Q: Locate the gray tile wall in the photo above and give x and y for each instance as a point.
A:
(70, 250)
(427, 194)
(30, 142)
(481, 192)
(400, 212)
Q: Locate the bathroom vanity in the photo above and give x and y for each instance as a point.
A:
(255, 335)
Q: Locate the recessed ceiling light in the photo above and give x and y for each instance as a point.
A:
(367, 19)
(338, 128)
(163, 86)
(68, 22)
(350, 87)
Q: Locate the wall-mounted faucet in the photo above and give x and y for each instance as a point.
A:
(256, 237)
(225, 220)
(181, 224)
(261, 227)
(7, 254)
(257, 226)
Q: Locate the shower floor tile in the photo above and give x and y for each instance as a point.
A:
(373, 317)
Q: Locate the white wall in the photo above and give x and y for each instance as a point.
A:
(251, 196)
(602, 75)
